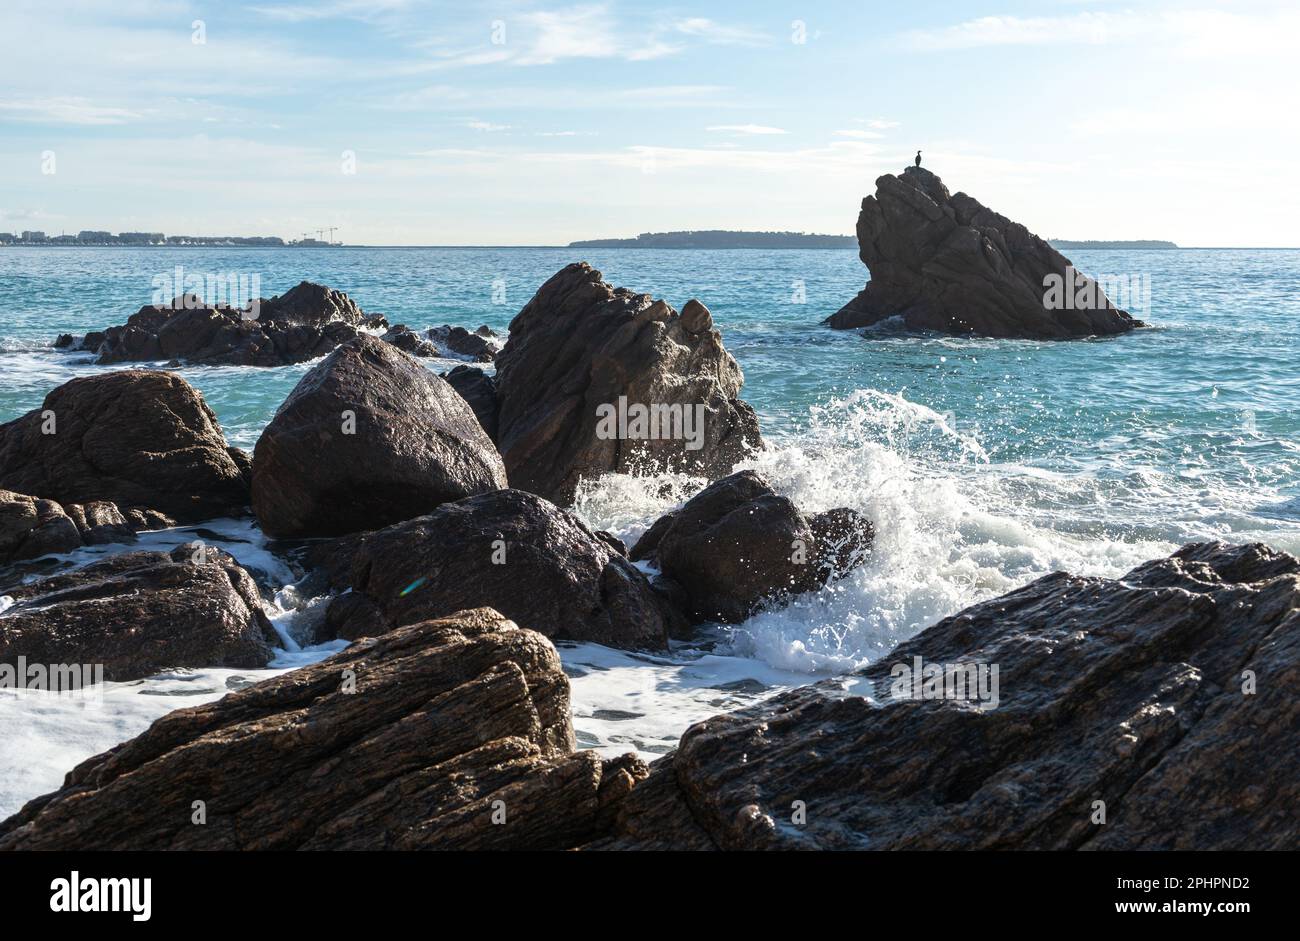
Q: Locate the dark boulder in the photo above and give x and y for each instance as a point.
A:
(595, 379)
(480, 390)
(136, 438)
(448, 734)
(139, 613)
(1153, 712)
(302, 324)
(509, 550)
(481, 346)
(368, 437)
(408, 341)
(946, 263)
(737, 545)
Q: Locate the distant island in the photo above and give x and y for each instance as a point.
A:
(146, 239)
(723, 238)
(1088, 243)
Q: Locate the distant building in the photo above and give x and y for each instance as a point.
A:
(32, 236)
(7, 238)
(94, 236)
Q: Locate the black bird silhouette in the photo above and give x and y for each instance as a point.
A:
(918, 158)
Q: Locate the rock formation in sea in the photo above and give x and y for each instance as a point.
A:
(1154, 711)
(368, 437)
(481, 345)
(737, 545)
(138, 613)
(303, 323)
(408, 341)
(509, 550)
(142, 439)
(946, 263)
(596, 379)
(447, 734)
(32, 526)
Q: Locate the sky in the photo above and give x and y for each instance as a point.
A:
(417, 122)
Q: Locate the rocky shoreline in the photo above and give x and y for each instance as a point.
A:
(436, 513)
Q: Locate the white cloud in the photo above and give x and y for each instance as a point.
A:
(64, 110)
(746, 129)
(710, 31)
(486, 126)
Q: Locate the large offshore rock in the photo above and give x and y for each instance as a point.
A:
(737, 545)
(947, 263)
(448, 734)
(510, 550)
(581, 353)
(304, 323)
(368, 437)
(1162, 703)
(140, 613)
(136, 438)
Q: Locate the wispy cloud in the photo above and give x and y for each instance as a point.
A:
(713, 32)
(65, 110)
(486, 126)
(330, 9)
(746, 129)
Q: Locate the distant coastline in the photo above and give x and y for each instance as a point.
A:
(96, 238)
(1109, 243)
(723, 238)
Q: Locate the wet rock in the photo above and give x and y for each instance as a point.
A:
(368, 437)
(737, 545)
(31, 527)
(446, 723)
(509, 550)
(408, 341)
(1167, 695)
(302, 324)
(587, 365)
(946, 263)
(480, 346)
(478, 389)
(141, 439)
(139, 613)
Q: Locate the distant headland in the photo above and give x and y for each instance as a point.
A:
(1089, 243)
(723, 238)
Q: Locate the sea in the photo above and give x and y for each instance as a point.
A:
(984, 464)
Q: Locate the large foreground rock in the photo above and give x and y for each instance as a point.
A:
(367, 438)
(737, 545)
(580, 347)
(448, 734)
(304, 323)
(510, 550)
(947, 263)
(136, 438)
(1167, 695)
(140, 613)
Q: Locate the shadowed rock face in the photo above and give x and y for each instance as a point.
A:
(446, 718)
(737, 544)
(410, 444)
(1129, 692)
(946, 263)
(303, 323)
(32, 527)
(478, 389)
(509, 550)
(579, 346)
(140, 613)
(140, 439)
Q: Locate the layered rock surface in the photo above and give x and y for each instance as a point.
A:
(581, 347)
(31, 527)
(139, 613)
(1168, 695)
(946, 263)
(368, 437)
(141, 439)
(510, 550)
(448, 734)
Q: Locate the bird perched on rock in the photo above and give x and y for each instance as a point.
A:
(918, 158)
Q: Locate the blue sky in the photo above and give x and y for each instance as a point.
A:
(538, 123)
